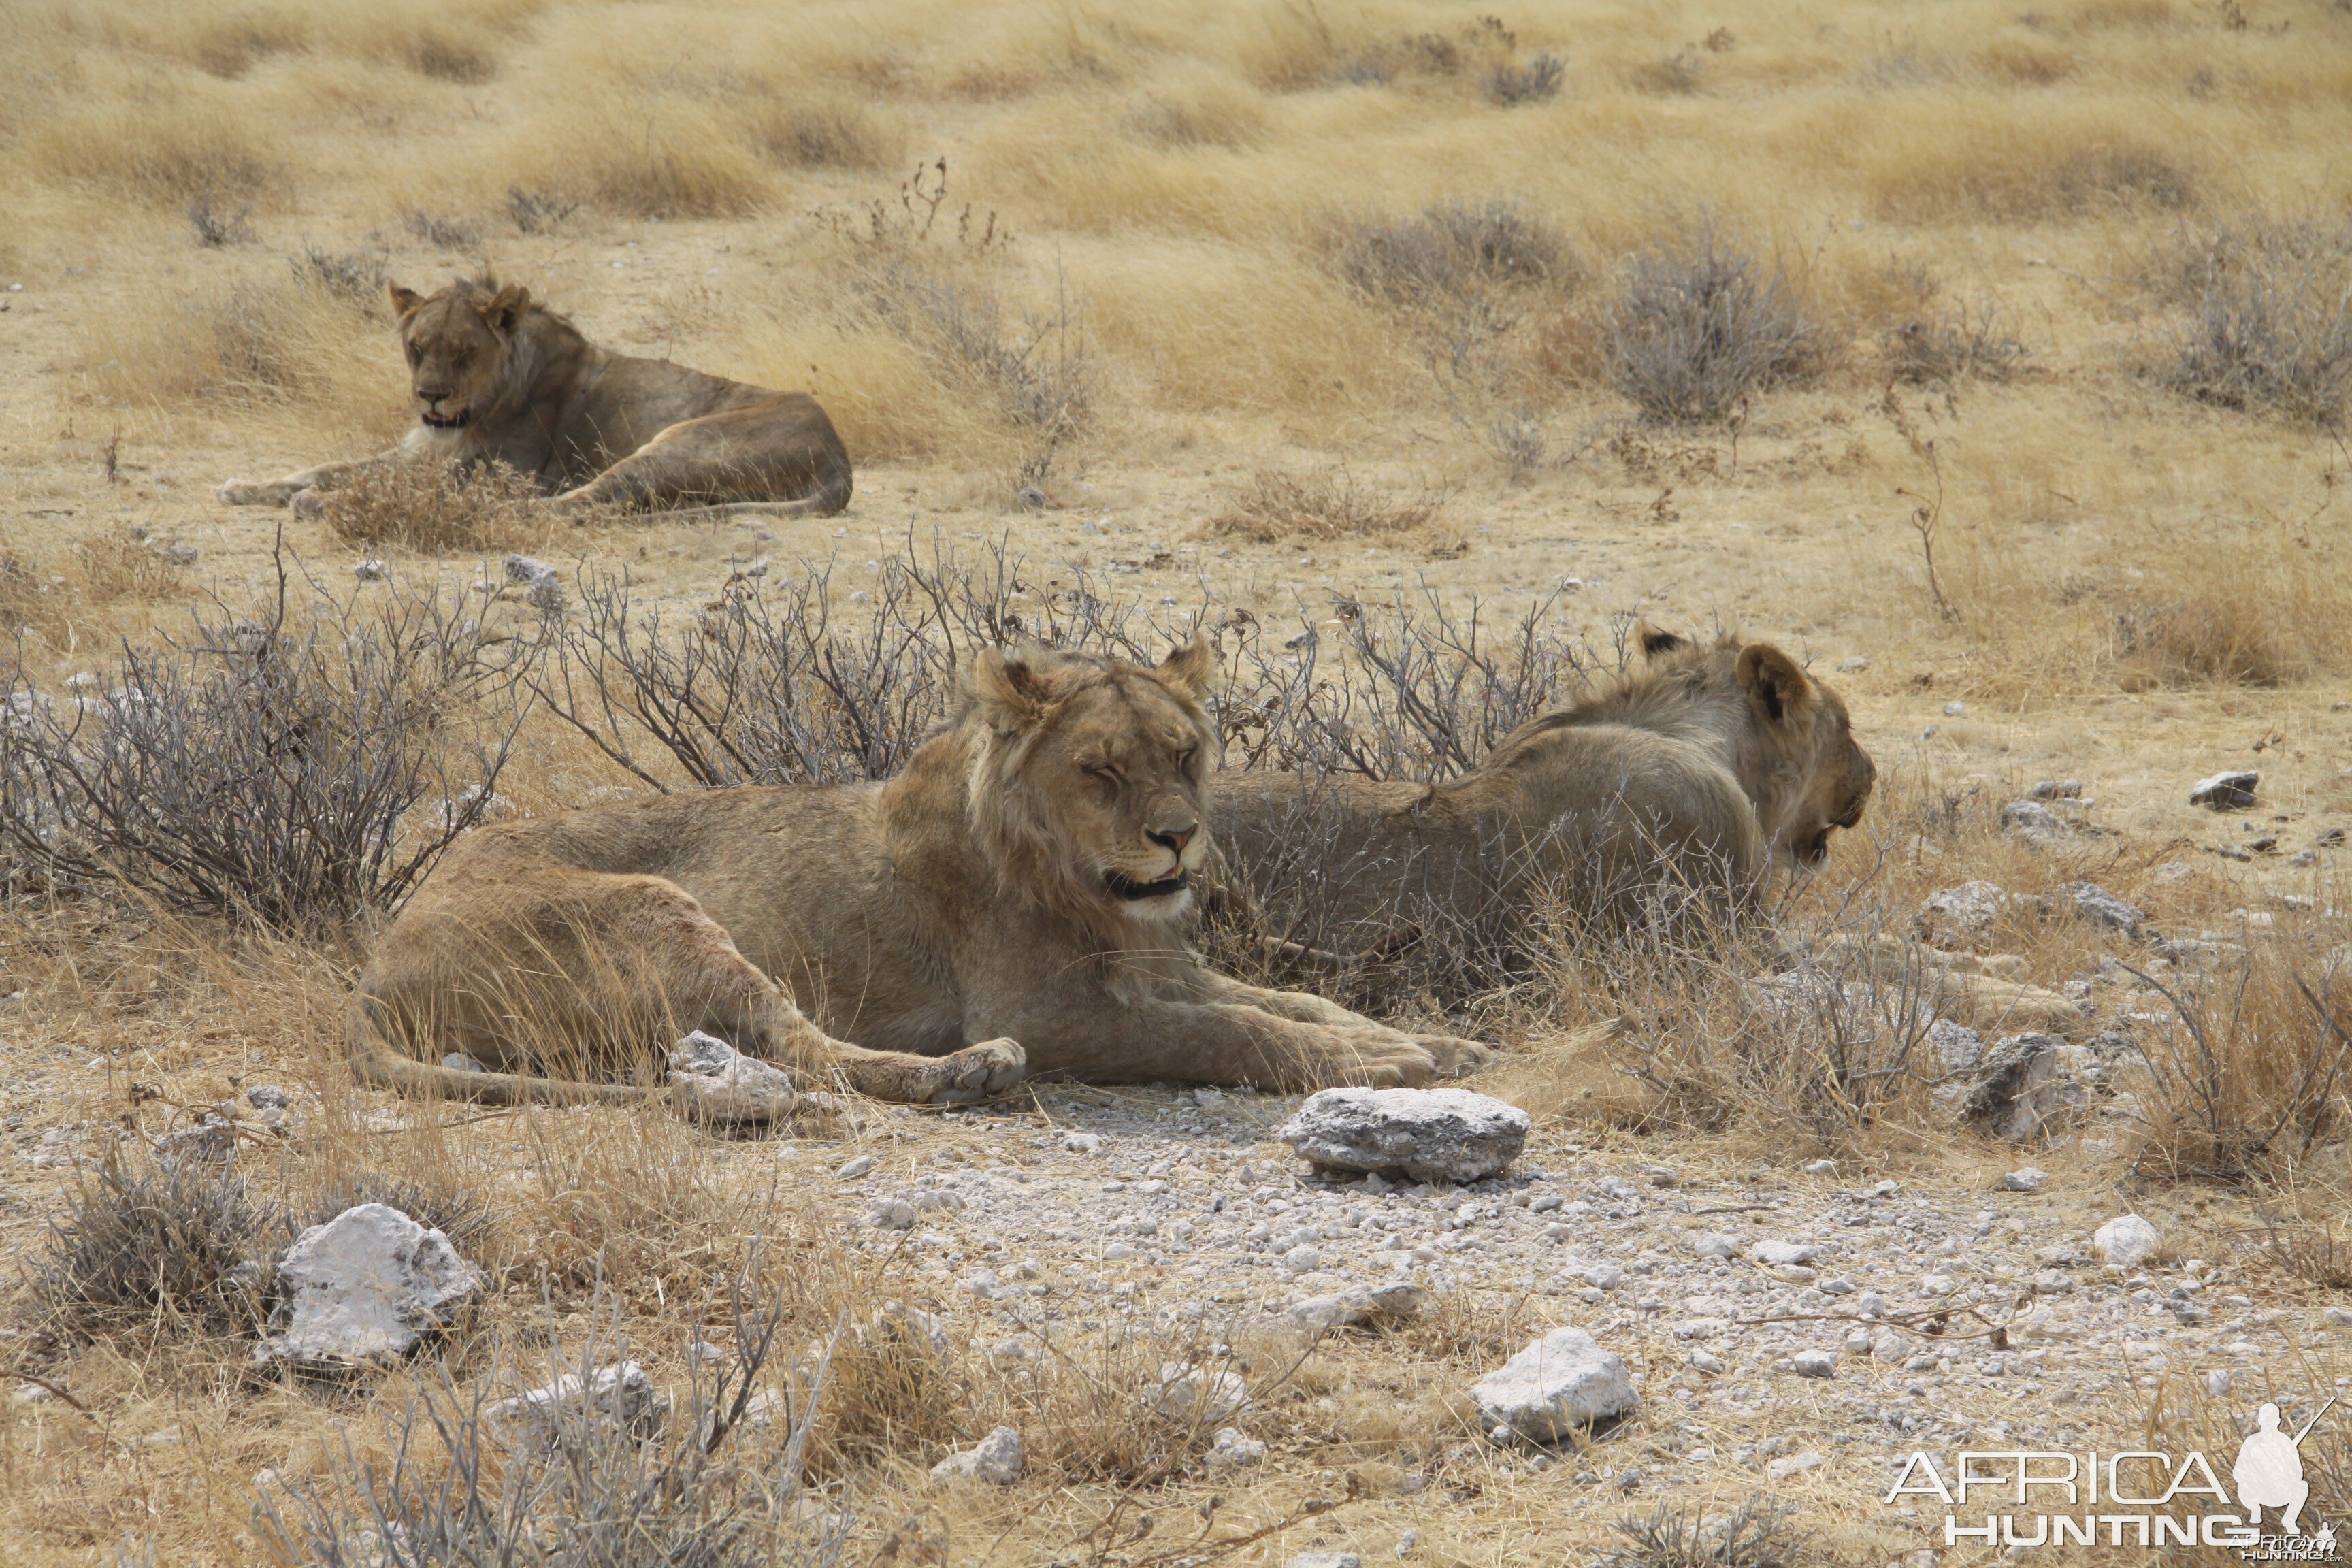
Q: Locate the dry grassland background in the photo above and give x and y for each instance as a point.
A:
(1995, 357)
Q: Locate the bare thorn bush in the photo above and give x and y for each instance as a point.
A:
(1700, 324)
(267, 765)
(1451, 249)
(359, 277)
(1539, 79)
(2265, 319)
(220, 226)
(442, 230)
(1756, 1534)
(1279, 506)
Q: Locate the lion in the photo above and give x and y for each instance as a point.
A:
(1026, 879)
(1693, 775)
(500, 379)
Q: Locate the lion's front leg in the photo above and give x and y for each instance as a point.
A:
(1454, 1055)
(281, 492)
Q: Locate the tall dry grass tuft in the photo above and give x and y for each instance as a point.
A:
(1278, 506)
(164, 1245)
(178, 150)
(436, 509)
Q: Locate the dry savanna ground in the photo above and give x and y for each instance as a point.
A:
(1994, 357)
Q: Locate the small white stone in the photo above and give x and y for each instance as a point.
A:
(1233, 1450)
(619, 1395)
(1814, 1363)
(997, 1459)
(891, 1214)
(1189, 1392)
(2126, 1241)
(1556, 1384)
(2025, 1179)
(855, 1168)
(1712, 1244)
(1784, 1253)
(1430, 1134)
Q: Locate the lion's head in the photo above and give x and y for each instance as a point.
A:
(460, 344)
(1797, 758)
(1088, 780)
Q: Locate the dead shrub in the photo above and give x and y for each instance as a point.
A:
(1510, 84)
(168, 1244)
(217, 225)
(442, 230)
(435, 508)
(1279, 506)
(1756, 1534)
(538, 211)
(1699, 325)
(265, 767)
(1451, 249)
(358, 276)
(2252, 1071)
(2265, 319)
(1677, 75)
(1935, 342)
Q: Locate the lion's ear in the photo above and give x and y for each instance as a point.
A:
(1188, 669)
(1658, 642)
(1780, 689)
(404, 300)
(1011, 689)
(505, 310)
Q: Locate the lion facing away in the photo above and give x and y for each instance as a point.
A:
(499, 379)
(1690, 776)
(1027, 878)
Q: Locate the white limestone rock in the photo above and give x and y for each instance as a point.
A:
(1362, 1306)
(620, 1396)
(365, 1287)
(2126, 1241)
(1429, 1134)
(997, 1459)
(1558, 1383)
(719, 1083)
(1189, 1392)
(1233, 1450)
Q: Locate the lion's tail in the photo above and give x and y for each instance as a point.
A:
(379, 1063)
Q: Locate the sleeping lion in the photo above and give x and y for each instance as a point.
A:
(500, 379)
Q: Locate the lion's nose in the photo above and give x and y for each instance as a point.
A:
(1172, 839)
(432, 396)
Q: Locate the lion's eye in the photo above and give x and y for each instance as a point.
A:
(1108, 772)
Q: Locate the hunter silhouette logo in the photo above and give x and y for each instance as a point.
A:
(2269, 1471)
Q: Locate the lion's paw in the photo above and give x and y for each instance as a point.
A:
(1377, 1058)
(978, 1072)
(311, 504)
(250, 492)
(1457, 1057)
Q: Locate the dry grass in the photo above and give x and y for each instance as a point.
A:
(1229, 263)
(1279, 506)
(436, 511)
